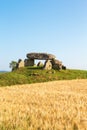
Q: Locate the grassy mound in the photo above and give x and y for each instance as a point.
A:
(37, 74)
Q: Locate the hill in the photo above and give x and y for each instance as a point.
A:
(29, 75)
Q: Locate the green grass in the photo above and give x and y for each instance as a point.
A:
(37, 74)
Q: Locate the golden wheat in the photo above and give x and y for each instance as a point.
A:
(57, 105)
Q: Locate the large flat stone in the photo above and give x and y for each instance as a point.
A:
(40, 56)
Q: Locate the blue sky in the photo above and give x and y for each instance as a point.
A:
(52, 26)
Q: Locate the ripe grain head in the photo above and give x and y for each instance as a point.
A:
(57, 105)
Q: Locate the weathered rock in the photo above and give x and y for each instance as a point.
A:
(56, 64)
(50, 61)
(29, 62)
(40, 63)
(47, 65)
(20, 63)
(40, 56)
(63, 67)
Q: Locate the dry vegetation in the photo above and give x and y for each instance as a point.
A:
(57, 105)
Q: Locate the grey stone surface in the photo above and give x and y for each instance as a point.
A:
(47, 65)
(56, 64)
(40, 63)
(50, 61)
(63, 67)
(40, 56)
(29, 62)
(20, 63)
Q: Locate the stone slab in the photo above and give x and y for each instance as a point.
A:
(40, 56)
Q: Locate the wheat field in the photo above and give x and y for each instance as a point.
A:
(57, 105)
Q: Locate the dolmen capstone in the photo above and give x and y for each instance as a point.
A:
(40, 56)
(50, 61)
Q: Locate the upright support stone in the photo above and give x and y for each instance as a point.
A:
(47, 65)
(56, 64)
(20, 63)
(29, 62)
(40, 63)
(50, 61)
